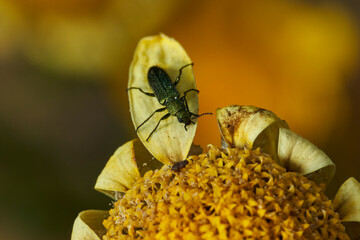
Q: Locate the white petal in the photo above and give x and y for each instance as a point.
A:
(170, 143)
(88, 225)
(347, 204)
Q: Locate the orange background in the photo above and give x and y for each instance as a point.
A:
(64, 69)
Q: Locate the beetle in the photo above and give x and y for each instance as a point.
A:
(168, 95)
(179, 165)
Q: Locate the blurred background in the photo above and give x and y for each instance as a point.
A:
(64, 70)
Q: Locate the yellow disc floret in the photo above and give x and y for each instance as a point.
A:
(224, 194)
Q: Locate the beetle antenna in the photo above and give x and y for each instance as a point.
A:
(199, 115)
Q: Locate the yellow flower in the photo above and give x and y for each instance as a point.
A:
(266, 182)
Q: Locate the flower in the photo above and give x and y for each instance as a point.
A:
(224, 194)
(266, 182)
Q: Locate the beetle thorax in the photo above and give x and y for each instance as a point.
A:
(173, 105)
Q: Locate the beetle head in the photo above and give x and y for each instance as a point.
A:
(184, 117)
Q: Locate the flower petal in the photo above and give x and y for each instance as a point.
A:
(252, 127)
(347, 204)
(88, 225)
(121, 171)
(300, 155)
(170, 143)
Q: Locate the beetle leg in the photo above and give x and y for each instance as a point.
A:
(184, 97)
(187, 107)
(185, 102)
(163, 118)
(192, 89)
(158, 110)
(147, 93)
(180, 71)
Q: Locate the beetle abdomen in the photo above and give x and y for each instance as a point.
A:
(161, 84)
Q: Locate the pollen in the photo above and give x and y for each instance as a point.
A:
(224, 194)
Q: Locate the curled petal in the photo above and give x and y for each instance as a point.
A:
(252, 127)
(300, 155)
(122, 169)
(347, 204)
(88, 225)
(170, 143)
